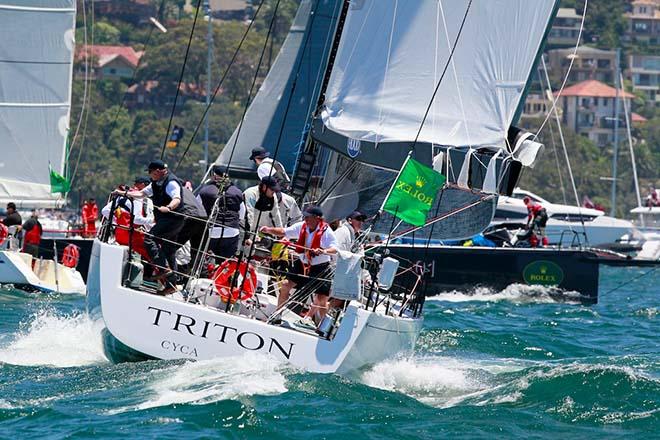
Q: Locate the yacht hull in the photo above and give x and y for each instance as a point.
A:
(465, 268)
(140, 325)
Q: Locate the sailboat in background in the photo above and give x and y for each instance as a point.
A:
(35, 104)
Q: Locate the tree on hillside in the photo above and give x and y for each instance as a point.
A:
(604, 23)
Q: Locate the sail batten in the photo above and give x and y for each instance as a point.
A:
(36, 70)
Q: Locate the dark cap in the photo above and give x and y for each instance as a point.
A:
(142, 179)
(156, 165)
(218, 169)
(271, 183)
(11, 205)
(313, 210)
(259, 153)
(357, 215)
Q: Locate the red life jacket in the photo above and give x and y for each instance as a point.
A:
(316, 238)
(33, 236)
(123, 220)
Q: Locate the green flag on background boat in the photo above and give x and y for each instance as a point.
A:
(413, 193)
(58, 183)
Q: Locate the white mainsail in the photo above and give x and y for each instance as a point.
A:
(36, 67)
(392, 55)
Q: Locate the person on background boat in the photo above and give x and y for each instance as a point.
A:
(143, 218)
(269, 167)
(13, 217)
(172, 204)
(32, 232)
(652, 198)
(316, 243)
(225, 234)
(349, 231)
(537, 217)
(90, 212)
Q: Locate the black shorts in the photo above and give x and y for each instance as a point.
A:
(318, 270)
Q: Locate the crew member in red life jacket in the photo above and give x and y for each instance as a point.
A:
(143, 218)
(32, 231)
(537, 217)
(316, 242)
(90, 212)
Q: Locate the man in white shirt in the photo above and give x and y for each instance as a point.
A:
(267, 206)
(348, 231)
(316, 243)
(269, 167)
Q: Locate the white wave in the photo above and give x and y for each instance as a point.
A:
(4, 404)
(57, 340)
(517, 293)
(438, 381)
(213, 380)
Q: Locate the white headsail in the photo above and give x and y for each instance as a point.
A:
(36, 65)
(392, 55)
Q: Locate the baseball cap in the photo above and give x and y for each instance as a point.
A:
(156, 165)
(259, 152)
(218, 169)
(271, 183)
(357, 215)
(313, 210)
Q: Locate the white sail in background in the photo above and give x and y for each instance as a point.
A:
(392, 55)
(36, 66)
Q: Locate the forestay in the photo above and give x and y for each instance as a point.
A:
(391, 57)
(35, 96)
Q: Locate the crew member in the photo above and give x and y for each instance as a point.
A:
(90, 212)
(32, 236)
(225, 234)
(316, 243)
(13, 217)
(349, 231)
(172, 204)
(267, 205)
(652, 198)
(143, 218)
(537, 217)
(269, 167)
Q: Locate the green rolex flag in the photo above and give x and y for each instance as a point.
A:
(58, 183)
(413, 193)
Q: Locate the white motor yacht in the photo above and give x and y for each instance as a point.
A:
(566, 224)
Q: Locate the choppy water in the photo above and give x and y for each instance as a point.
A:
(491, 364)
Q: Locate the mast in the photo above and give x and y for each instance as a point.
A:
(616, 135)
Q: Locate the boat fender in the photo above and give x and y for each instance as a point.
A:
(71, 255)
(224, 274)
(4, 233)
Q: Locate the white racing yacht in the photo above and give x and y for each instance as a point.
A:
(431, 81)
(567, 225)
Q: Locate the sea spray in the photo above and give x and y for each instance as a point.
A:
(210, 381)
(48, 337)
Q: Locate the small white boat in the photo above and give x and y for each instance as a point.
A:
(141, 325)
(38, 274)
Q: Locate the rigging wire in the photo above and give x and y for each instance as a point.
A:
(633, 279)
(183, 70)
(89, 103)
(86, 84)
(145, 45)
(217, 88)
(442, 76)
(570, 66)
